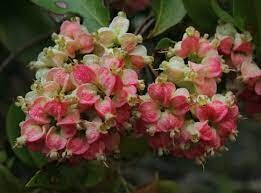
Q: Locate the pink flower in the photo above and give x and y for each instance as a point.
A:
(160, 141)
(77, 145)
(70, 28)
(31, 131)
(225, 46)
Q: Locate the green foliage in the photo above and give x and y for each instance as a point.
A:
(201, 13)
(224, 16)
(168, 13)
(164, 43)
(8, 182)
(80, 177)
(13, 118)
(133, 147)
(94, 13)
(167, 186)
(20, 29)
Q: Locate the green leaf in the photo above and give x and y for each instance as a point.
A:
(3, 156)
(24, 28)
(164, 43)
(223, 15)
(13, 118)
(95, 174)
(201, 13)
(168, 13)
(167, 186)
(8, 182)
(133, 147)
(250, 20)
(94, 13)
(60, 177)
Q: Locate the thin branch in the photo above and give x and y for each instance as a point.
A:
(19, 50)
(147, 22)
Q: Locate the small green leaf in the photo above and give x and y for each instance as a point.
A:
(201, 13)
(94, 13)
(168, 13)
(164, 43)
(13, 118)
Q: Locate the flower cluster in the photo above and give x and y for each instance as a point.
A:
(85, 88)
(85, 96)
(203, 68)
(237, 51)
(191, 121)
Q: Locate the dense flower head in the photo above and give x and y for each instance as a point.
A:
(237, 50)
(85, 88)
(86, 93)
(194, 62)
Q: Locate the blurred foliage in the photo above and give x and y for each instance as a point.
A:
(25, 28)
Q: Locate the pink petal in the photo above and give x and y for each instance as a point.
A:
(161, 92)
(56, 109)
(129, 77)
(213, 69)
(206, 86)
(225, 46)
(70, 29)
(107, 80)
(68, 131)
(179, 102)
(83, 74)
(123, 114)
(37, 112)
(245, 47)
(55, 141)
(111, 141)
(94, 150)
(77, 145)
(168, 122)
(87, 94)
(70, 119)
(160, 140)
(149, 112)
(32, 131)
(86, 44)
(104, 106)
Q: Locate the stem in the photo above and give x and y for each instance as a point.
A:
(145, 25)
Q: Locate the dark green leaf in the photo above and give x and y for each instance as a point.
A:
(224, 16)
(201, 13)
(13, 118)
(23, 28)
(168, 13)
(94, 13)
(64, 177)
(131, 147)
(8, 182)
(164, 43)
(3, 156)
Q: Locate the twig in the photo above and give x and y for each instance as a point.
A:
(19, 50)
(148, 21)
